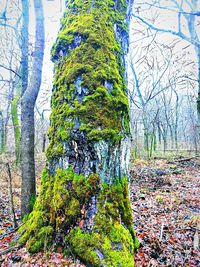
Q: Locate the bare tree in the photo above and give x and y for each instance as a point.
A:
(10, 57)
(28, 99)
(185, 19)
(23, 88)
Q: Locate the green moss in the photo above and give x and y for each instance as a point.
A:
(115, 249)
(15, 120)
(84, 244)
(89, 91)
(87, 50)
(111, 240)
(32, 201)
(58, 206)
(198, 103)
(2, 133)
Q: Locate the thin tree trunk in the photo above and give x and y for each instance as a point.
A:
(191, 20)
(84, 200)
(27, 116)
(2, 133)
(176, 122)
(198, 98)
(15, 119)
(7, 117)
(159, 133)
(165, 141)
(24, 45)
(44, 143)
(12, 209)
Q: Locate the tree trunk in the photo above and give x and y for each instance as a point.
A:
(15, 119)
(159, 133)
(27, 115)
(84, 201)
(44, 143)
(198, 98)
(2, 133)
(24, 45)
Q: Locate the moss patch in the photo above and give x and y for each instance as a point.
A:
(112, 241)
(15, 120)
(87, 57)
(58, 206)
(57, 212)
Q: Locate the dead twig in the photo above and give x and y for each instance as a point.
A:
(161, 232)
(11, 232)
(12, 210)
(185, 159)
(10, 249)
(196, 240)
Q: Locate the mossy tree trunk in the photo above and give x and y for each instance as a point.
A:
(84, 200)
(15, 119)
(2, 133)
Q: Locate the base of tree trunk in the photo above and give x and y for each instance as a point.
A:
(89, 219)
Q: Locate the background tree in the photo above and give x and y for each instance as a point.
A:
(160, 86)
(9, 26)
(29, 96)
(187, 14)
(84, 202)
(2, 131)
(23, 87)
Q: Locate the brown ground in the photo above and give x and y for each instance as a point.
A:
(166, 206)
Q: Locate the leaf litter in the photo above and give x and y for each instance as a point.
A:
(166, 207)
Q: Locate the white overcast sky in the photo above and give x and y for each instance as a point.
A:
(53, 10)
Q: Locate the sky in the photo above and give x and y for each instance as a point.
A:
(165, 16)
(53, 11)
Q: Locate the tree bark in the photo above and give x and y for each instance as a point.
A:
(10, 194)
(84, 201)
(198, 98)
(24, 45)
(2, 133)
(27, 115)
(15, 118)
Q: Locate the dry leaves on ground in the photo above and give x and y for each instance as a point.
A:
(166, 206)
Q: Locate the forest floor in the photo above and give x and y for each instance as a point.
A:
(165, 196)
(166, 205)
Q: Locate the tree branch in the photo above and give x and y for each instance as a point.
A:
(179, 34)
(2, 66)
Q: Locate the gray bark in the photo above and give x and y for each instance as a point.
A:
(2, 132)
(24, 45)
(10, 194)
(27, 114)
